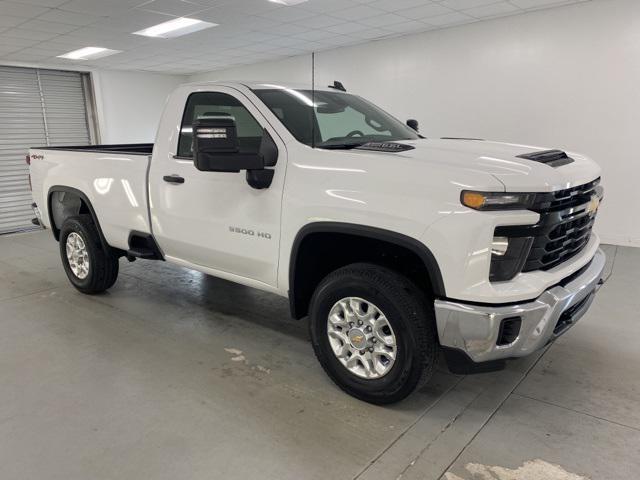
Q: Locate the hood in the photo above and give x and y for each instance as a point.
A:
(502, 161)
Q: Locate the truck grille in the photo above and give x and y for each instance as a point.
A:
(564, 228)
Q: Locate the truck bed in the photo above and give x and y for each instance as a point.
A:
(113, 178)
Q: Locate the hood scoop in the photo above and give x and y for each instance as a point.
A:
(391, 147)
(553, 158)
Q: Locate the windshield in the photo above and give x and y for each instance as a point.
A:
(337, 120)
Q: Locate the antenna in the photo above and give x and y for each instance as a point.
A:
(313, 99)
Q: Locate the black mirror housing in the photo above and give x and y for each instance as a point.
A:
(215, 146)
(411, 123)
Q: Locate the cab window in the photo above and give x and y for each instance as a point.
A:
(203, 104)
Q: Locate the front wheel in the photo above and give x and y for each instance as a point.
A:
(90, 267)
(373, 333)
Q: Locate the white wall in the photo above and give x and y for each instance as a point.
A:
(566, 77)
(129, 104)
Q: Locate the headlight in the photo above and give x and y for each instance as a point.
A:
(497, 201)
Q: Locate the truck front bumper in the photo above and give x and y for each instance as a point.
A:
(484, 336)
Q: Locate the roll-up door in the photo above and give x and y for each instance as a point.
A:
(37, 107)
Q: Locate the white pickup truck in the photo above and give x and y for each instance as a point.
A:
(397, 247)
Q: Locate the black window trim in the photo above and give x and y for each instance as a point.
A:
(234, 95)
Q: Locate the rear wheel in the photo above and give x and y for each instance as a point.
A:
(373, 333)
(90, 266)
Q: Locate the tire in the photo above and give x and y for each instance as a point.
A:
(102, 268)
(410, 318)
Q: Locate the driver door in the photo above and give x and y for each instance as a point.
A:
(215, 219)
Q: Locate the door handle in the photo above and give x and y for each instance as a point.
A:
(173, 178)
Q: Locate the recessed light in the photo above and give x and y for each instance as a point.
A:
(288, 3)
(89, 53)
(175, 28)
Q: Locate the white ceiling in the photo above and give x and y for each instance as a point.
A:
(249, 31)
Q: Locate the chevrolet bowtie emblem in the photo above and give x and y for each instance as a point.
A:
(358, 338)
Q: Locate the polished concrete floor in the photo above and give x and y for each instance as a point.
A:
(176, 375)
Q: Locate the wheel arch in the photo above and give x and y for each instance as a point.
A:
(73, 202)
(302, 282)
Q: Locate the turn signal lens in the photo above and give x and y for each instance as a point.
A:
(473, 199)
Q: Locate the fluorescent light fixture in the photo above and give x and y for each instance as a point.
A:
(288, 3)
(89, 53)
(175, 28)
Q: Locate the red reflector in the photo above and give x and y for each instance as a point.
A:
(28, 159)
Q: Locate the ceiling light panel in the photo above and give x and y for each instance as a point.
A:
(175, 28)
(288, 2)
(89, 53)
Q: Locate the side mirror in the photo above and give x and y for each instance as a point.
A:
(411, 123)
(215, 146)
(216, 149)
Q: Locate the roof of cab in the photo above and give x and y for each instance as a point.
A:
(265, 85)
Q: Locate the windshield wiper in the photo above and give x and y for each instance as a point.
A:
(341, 146)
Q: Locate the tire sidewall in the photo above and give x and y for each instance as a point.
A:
(393, 381)
(70, 226)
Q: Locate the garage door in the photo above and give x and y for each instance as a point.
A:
(37, 107)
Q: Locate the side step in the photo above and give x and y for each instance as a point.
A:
(141, 253)
(143, 245)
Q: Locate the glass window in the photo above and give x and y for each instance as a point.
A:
(204, 104)
(337, 120)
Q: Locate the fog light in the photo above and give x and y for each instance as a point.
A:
(499, 246)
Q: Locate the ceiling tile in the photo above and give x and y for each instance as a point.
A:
(410, 26)
(69, 18)
(395, 5)
(50, 27)
(424, 11)
(11, 21)
(338, 40)
(261, 47)
(537, 3)
(358, 13)
(312, 35)
(99, 7)
(43, 49)
(22, 56)
(17, 42)
(16, 9)
(89, 34)
(288, 14)
(493, 10)
(7, 49)
(45, 3)
(180, 8)
(346, 28)
(382, 20)
(372, 33)
(244, 7)
(327, 6)
(256, 23)
(320, 21)
(21, 32)
(134, 20)
(222, 14)
(455, 18)
(464, 4)
(289, 29)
